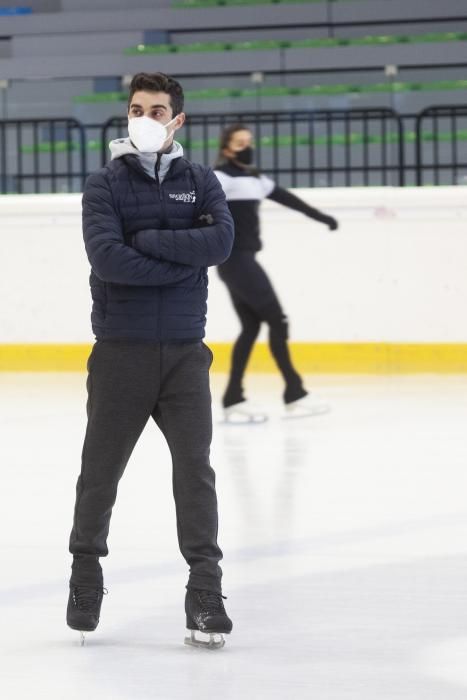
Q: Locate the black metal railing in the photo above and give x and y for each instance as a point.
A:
(441, 141)
(361, 147)
(303, 149)
(42, 155)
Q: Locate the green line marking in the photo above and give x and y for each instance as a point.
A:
(259, 45)
(354, 138)
(278, 91)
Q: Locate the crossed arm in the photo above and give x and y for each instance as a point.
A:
(110, 258)
(202, 246)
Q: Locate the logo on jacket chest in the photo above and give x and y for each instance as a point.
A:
(188, 197)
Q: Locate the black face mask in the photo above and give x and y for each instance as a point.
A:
(245, 156)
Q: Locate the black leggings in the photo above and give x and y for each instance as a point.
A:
(255, 301)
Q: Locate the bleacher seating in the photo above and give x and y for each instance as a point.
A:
(311, 53)
(233, 56)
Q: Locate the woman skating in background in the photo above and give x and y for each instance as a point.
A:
(250, 289)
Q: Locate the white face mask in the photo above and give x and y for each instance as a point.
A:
(148, 135)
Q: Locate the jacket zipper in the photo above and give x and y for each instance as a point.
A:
(159, 190)
(161, 289)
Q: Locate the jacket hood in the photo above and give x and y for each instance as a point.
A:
(124, 147)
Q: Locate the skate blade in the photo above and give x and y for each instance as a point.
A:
(216, 640)
(295, 412)
(82, 639)
(239, 417)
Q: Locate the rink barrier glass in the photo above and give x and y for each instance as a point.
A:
(311, 358)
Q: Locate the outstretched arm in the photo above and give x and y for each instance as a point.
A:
(282, 196)
(110, 258)
(209, 243)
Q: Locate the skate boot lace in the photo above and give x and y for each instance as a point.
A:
(86, 599)
(212, 602)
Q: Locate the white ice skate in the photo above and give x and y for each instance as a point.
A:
(201, 640)
(244, 413)
(305, 408)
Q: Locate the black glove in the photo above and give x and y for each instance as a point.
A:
(332, 223)
(205, 220)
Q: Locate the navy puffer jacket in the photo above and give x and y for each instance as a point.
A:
(149, 249)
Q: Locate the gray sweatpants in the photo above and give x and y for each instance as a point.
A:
(129, 382)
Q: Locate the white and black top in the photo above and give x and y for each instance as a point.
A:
(244, 192)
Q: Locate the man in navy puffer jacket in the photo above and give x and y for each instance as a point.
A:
(152, 222)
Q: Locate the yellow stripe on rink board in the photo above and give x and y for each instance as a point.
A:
(356, 358)
(317, 358)
(44, 357)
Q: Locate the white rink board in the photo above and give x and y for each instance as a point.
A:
(394, 272)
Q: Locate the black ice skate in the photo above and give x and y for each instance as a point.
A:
(84, 607)
(205, 613)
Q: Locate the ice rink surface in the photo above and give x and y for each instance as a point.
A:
(345, 543)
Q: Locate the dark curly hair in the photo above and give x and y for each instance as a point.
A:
(158, 82)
